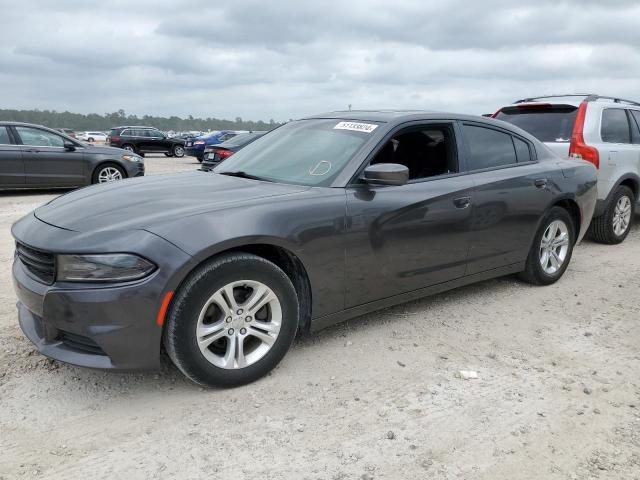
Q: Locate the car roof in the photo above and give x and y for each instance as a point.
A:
(134, 126)
(397, 116)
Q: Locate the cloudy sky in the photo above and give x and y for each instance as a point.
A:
(285, 59)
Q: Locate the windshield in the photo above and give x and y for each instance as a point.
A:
(546, 123)
(304, 152)
(241, 139)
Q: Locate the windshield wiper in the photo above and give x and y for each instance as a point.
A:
(242, 174)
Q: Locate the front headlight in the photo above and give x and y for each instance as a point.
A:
(114, 267)
(132, 158)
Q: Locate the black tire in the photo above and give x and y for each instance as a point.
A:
(95, 178)
(533, 272)
(200, 159)
(128, 146)
(178, 151)
(179, 334)
(90, 140)
(601, 229)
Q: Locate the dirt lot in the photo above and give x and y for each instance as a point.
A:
(558, 393)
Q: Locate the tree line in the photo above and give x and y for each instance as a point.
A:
(94, 121)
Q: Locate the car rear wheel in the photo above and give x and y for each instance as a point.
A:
(613, 225)
(129, 148)
(232, 321)
(552, 248)
(90, 139)
(178, 151)
(108, 173)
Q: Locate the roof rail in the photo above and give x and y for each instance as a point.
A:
(589, 97)
(529, 99)
(592, 98)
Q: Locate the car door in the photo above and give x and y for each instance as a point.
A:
(509, 196)
(402, 238)
(46, 161)
(620, 154)
(11, 162)
(158, 142)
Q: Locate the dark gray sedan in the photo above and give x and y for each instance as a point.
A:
(320, 220)
(32, 156)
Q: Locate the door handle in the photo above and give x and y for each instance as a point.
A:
(540, 183)
(462, 202)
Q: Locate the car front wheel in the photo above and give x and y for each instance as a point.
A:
(551, 250)
(108, 173)
(232, 321)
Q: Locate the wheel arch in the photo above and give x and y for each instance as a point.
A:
(630, 180)
(572, 207)
(282, 257)
(104, 163)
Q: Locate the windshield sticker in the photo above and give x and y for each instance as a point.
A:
(356, 127)
(322, 168)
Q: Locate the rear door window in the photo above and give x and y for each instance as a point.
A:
(488, 148)
(4, 136)
(523, 152)
(615, 126)
(635, 125)
(548, 123)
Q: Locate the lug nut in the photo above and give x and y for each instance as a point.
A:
(228, 319)
(248, 319)
(231, 331)
(243, 331)
(240, 311)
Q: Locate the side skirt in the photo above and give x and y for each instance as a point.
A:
(333, 318)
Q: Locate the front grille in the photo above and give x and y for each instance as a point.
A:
(79, 342)
(40, 264)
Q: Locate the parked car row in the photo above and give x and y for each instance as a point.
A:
(195, 146)
(322, 219)
(215, 154)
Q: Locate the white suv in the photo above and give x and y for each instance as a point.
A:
(602, 130)
(93, 136)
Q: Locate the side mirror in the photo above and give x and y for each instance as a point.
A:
(69, 146)
(386, 174)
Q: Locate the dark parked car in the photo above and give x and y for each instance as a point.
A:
(195, 146)
(215, 154)
(320, 220)
(32, 156)
(143, 140)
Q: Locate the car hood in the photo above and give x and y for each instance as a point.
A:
(141, 202)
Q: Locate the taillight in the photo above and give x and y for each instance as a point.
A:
(577, 147)
(199, 142)
(113, 138)
(223, 153)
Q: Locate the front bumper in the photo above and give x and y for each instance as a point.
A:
(134, 169)
(108, 326)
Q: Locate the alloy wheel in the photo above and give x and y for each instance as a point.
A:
(622, 215)
(554, 247)
(239, 324)
(178, 151)
(128, 148)
(109, 174)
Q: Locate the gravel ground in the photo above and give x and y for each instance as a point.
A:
(558, 393)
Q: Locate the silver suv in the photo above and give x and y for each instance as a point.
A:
(602, 130)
